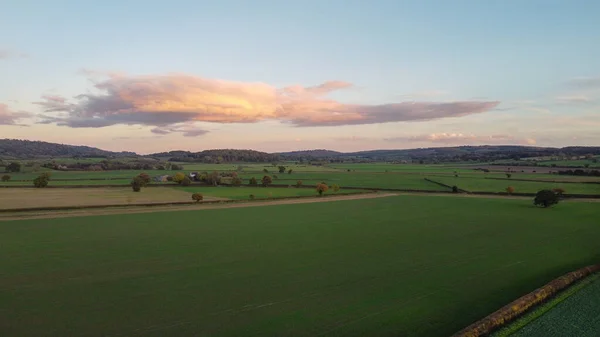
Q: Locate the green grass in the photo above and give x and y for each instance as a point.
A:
(243, 192)
(491, 185)
(399, 266)
(575, 313)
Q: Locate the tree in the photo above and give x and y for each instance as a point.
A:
(322, 188)
(5, 178)
(508, 175)
(510, 190)
(213, 178)
(197, 197)
(236, 181)
(265, 171)
(252, 196)
(298, 183)
(169, 178)
(13, 167)
(546, 198)
(42, 180)
(176, 167)
(559, 191)
(454, 189)
(252, 181)
(186, 181)
(335, 188)
(266, 181)
(145, 178)
(290, 171)
(137, 183)
(281, 169)
(178, 177)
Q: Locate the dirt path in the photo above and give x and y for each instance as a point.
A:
(191, 207)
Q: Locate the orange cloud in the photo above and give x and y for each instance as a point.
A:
(179, 98)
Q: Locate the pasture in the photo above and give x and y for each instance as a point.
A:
(397, 266)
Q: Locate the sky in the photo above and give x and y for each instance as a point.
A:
(271, 75)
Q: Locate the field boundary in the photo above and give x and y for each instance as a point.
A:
(444, 185)
(546, 181)
(173, 203)
(524, 304)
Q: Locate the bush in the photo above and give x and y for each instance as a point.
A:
(265, 171)
(335, 188)
(169, 178)
(298, 183)
(454, 189)
(508, 175)
(281, 169)
(42, 180)
(145, 179)
(186, 181)
(546, 198)
(559, 191)
(290, 171)
(510, 190)
(178, 177)
(236, 181)
(137, 183)
(5, 177)
(252, 197)
(252, 181)
(322, 188)
(197, 197)
(266, 181)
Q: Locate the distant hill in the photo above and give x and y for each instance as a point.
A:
(218, 156)
(312, 153)
(26, 149)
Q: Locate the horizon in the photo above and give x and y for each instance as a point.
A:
(282, 77)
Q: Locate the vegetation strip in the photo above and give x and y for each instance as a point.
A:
(545, 181)
(64, 208)
(522, 305)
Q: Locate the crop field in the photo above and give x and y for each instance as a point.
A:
(55, 197)
(244, 192)
(401, 266)
(575, 315)
(491, 185)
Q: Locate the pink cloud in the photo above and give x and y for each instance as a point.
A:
(9, 117)
(460, 138)
(179, 98)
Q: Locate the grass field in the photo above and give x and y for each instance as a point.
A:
(401, 266)
(244, 192)
(491, 185)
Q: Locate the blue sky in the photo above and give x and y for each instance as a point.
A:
(283, 75)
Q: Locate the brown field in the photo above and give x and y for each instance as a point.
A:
(56, 197)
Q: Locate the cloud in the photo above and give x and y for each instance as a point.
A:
(573, 99)
(425, 94)
(460, 138)
(187, 131)
(9, 117)
(585, 82)
(7, 54)
(162, 101)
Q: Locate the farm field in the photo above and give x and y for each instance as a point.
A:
(56, 197)
(576, 315)
(491, 185)
(243, 192)
(404, 265)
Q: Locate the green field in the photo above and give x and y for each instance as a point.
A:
(491, 185)
(398, 266)
(243, 192)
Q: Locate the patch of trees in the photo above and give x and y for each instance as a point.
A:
(16, 148)
(546, 198)
(589, 173)
(220, 156)
(13, 167)
(42, 180)
(139, 181)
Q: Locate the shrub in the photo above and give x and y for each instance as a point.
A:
(275, 176)
(508, 175)
(559, 191)
(510, 190)
(169, 178)
(252, 197)
(186, 181)
(197, 197)
(236, 181)
(252, 181)
(335, 188)
(265, 171)
(290, 171)
(266, 181)
(322, 188)
(5, 177)
(137, 183)
(42, 180)
(298, 183)
(281, 169)
(454, 189)
(546, 198)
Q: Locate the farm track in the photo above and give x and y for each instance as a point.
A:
(169, 208)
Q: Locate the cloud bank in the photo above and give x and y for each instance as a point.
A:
(9, 117)
(460, 138)
(167, 100)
